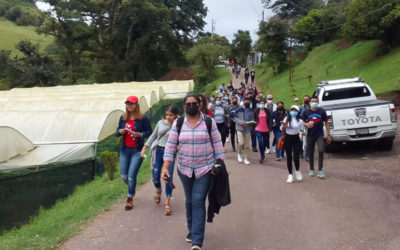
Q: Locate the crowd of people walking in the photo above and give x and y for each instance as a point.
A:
(197, 141)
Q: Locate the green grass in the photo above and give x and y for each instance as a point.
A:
(12, 34)
(223, 75)
(53, 226)
(364, 59)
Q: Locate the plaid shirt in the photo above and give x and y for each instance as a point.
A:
(193, 147)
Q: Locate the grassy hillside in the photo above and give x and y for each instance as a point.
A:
(364, 59)
(223, 75)
(12, 34)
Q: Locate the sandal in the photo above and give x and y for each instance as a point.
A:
(157, 197)
(168, 206)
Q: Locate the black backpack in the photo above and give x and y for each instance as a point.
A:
(207, 120)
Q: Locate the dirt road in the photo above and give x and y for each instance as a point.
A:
(356, 207)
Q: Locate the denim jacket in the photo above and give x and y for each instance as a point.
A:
(142, 126)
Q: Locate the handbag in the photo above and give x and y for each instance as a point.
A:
(281, 141)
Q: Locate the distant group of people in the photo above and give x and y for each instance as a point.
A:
(196, 142)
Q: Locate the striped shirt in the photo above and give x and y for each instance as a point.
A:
(196, 152)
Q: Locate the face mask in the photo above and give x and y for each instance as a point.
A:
(226, 98)
(192, 110)
(218, 103)
(314, 104)
(247, 105)
(293, 113)
(269, 101)
(212, 99)
(261, 106)
(234, 103)
(307, 102)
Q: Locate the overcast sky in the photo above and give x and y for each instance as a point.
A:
(229, 16)
(232, 15)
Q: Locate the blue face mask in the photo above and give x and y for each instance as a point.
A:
(218, 103)
(293, 113)
(212, 99)
(261, 106)
(314, 105)
(226, 98)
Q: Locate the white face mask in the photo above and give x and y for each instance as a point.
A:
(269, 101)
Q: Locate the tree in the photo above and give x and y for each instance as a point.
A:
(272, 40)
(205, 56)
(289, 9)
(123, 40)
(372, 19)
(241, 46)
(32, 69)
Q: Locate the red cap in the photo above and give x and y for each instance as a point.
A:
(132, 99)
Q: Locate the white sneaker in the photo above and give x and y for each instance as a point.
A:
(299, 177)
(240, 158)
(289, 179)
(227, 140)
(273, 149)
(247, 162)
(267, 151)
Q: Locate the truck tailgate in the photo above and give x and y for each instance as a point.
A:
(361, 116)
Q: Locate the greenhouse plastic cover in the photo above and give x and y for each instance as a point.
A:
(43, 125)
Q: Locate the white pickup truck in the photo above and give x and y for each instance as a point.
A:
(354, 113)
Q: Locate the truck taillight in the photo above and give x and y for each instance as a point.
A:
(330, 121)
(393, 115)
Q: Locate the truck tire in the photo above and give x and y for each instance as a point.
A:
(386, 144)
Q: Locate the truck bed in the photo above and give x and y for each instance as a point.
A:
(355, 104)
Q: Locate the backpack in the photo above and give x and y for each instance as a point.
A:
(207, 120)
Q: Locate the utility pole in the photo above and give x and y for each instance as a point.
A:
(262, 16)
(290, 54)
(212, 31)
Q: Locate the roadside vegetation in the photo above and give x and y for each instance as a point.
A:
(368, 60)
(52, 226)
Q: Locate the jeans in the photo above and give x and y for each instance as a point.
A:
(292, 145)
(195, 193)
(157, 171)
(311, 141)
(233, 134)
(263, 141)
(222, 130)
(277, 135)
(253, 138)
(129, 163)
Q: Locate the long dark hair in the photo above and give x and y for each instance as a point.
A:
(173, 109)
(203, 104)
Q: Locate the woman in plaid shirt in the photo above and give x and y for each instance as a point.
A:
(196, 154)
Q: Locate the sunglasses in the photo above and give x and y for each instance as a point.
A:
(188, 104)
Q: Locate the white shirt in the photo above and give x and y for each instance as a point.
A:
(295, 128)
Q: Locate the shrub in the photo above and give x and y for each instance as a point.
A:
(109, 159)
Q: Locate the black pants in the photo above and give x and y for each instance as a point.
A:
(292, 143)
(233, 134)
(320, 141)
(222, 130)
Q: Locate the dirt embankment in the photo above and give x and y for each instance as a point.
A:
(178, 74)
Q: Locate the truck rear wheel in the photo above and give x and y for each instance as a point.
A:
(386, 144)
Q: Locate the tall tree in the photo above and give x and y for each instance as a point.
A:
(241, 46)
(122, 40)
(272, 40)
(289, 9)
(373, 19)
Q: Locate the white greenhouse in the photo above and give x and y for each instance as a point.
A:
(44, 125)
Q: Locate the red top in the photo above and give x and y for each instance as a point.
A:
(209, 112)
(130, 141)
(262, 125)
